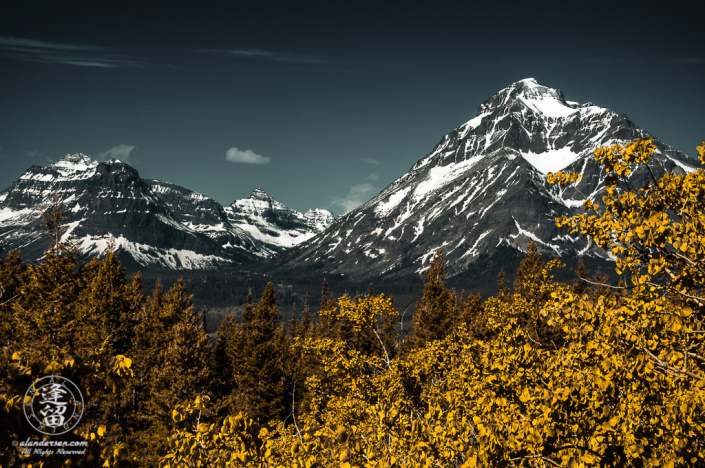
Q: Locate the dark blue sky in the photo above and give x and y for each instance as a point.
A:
(336, 99)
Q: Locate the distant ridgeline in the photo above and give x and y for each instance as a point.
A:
(481, 196)
(156, 224)
(542, 374)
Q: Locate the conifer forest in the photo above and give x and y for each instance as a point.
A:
(545, 373)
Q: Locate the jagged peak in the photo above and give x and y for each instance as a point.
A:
(76, 158)
(313, 211)
(529, 87)
(542, 100)
(258, 197)
(527, 83)
(319, 219)
(259, 194)
(319, 214)
(72, 163)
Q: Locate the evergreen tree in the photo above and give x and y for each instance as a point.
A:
(305, 329)
(227, 332)
(248, 313)
(503, 285)
(174, 364)
(109, 307)
(293, 326)
(580, 286)
(601, 285)
(325, 327)
(529, 275)
(436, 314)
(48, 326)
(473, 316)
(257, 361)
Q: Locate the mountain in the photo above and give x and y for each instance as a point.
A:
(156, 224)
(276, 227)
(481, 194)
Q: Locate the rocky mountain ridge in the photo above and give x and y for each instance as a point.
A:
(481, 194)
(156, 224)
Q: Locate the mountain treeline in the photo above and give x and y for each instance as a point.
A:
(543, 374)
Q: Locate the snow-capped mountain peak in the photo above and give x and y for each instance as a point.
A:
(259, 194)
(483, 189)
(156, 224)
(72, 163)
(542, 100)
(273, 223)
(319, 219)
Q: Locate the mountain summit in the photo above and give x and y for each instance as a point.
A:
(545, 101)
(481, 194)
(155, 224)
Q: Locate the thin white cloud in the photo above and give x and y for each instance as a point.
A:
(79, 55)
(283, 57)
(247, 157)
(373, 176)
(372, 161)
(121, 152)
(30, 45)
(357, 195)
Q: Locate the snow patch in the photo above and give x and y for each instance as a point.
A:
(683, 166)
(148, 255)
(473, 250)
(384, 208)
(426, 258)
(533, 236)
(441, 176)
(587, 247)
(471, 125)
(8, 213)
(279, 238)
(551, 160)
(549, 106)
(418, 229)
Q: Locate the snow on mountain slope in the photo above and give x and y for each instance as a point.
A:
(272, 223)
(482, 190)
(156, 224)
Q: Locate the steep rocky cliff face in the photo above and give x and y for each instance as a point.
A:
(155, 224)
(277, 227)
(482, 191)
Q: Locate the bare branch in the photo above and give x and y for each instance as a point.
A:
(402, 317)
(665, 366)
(293, 416)
(597, 283)
(386, 355)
